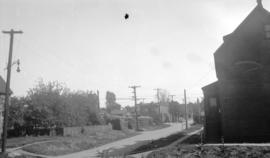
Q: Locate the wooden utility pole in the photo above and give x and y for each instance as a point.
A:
(199, 105)
(158, 101)
(7, 90)
(135, 104)
(186, 112)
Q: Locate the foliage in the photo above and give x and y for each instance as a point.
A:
(176, 110)
(111, 102)
(45, 104)
(193, 109)
(163, 96)
(81, 108)
(152, 110)
(16, 112)
(52, 104)
(67, 145)
(196, 109)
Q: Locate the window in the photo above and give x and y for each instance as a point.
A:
(267, 31)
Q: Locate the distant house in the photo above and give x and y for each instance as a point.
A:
(153, 109)
(237, 106)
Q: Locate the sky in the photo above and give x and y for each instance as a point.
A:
(88, 45)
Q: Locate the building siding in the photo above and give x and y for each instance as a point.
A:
(243, 88)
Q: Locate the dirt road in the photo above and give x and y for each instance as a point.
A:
(149, 135)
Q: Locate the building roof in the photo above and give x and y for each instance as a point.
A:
(243, 44)
(211, 89)
(249, 28)
(212, 85)
(3, 86)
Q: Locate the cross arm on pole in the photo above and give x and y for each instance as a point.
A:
(12, 32)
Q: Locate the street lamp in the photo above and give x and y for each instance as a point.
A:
(16, 62)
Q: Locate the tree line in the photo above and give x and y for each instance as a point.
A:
(52, 104)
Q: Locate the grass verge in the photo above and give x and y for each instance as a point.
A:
(67, 145)
(24, 156)
(156, 127)
(17, 142)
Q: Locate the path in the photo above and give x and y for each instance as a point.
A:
(148, 135)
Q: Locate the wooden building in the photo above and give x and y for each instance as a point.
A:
(2, 101)
(237, 106)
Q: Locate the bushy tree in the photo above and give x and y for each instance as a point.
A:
(111, 103)
(81, 108)
(52, 104)
(17, 108)
(152, 110)
(45, 103)
(176, 110)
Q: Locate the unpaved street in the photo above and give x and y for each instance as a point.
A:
(149, 135)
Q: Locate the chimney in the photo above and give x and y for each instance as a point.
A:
(259, 2)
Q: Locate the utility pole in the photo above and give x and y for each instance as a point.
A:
(7, 90)
(158, 101)
(186, 113)
(172, 97)
(198, 104)
(135, 104)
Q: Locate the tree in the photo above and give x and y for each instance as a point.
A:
(163, 96)
(52, 104)
(16, 112)
(81, 109)
(111, 102)
(152, 110)
(46, 104)
(176, 110)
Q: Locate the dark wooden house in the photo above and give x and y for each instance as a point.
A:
(237, 106)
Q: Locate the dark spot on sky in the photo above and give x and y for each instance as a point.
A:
(126, 16)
